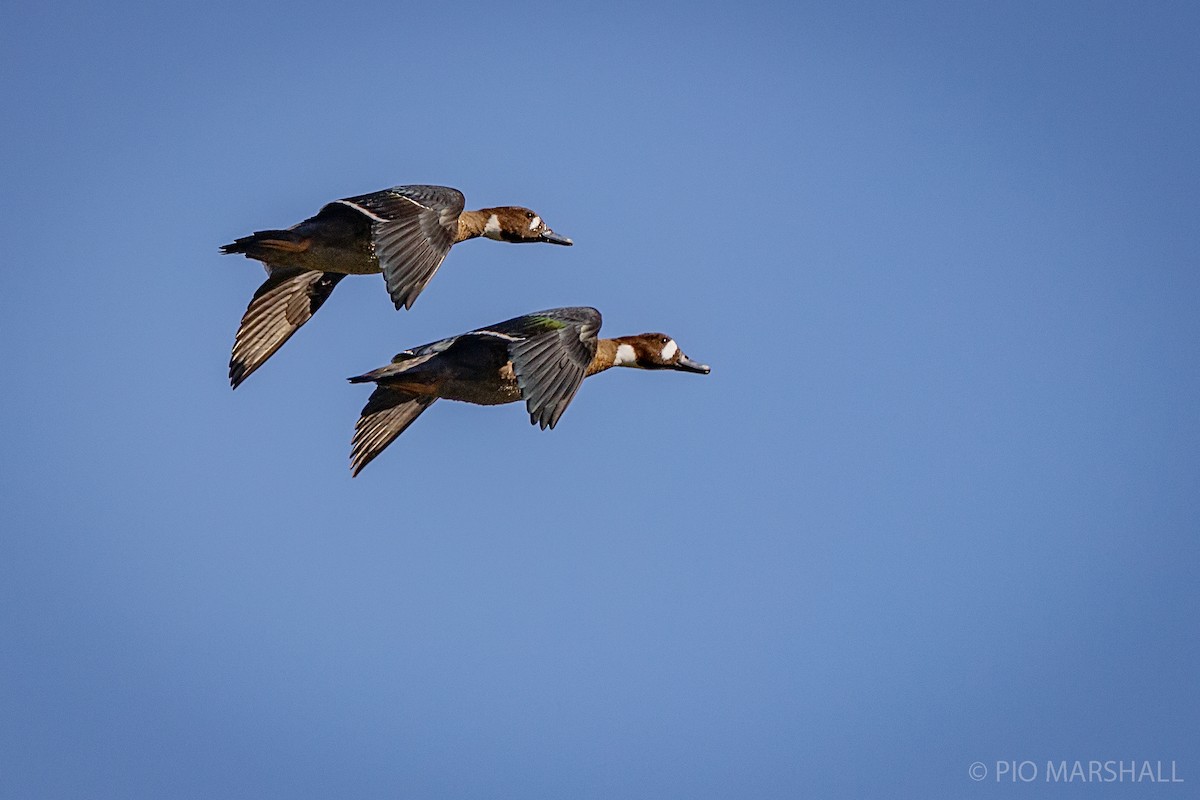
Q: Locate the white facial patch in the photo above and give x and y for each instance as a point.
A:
(625, 357)
(535, 223)
(669, 350)
(492, 229)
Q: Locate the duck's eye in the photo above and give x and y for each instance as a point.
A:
(528, 215)
(663, 340)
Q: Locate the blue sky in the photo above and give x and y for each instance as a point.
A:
(935, 504)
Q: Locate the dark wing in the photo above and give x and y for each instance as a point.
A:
(385, 416)
(408, 361)
(551, 358)
(285, 301)
(412, 230)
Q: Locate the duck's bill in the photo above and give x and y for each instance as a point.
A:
(553, 238)
(685, 364)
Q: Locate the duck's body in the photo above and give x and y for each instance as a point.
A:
(540, 358)
(403, 232)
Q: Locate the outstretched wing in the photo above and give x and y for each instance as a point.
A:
(551, 358)
(412, 229)
(385, 416)
(285, 301)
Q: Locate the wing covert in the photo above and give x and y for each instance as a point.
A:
(412, 229)
(552, 362)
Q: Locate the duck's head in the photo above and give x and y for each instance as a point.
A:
(517, 224)
(654, 351)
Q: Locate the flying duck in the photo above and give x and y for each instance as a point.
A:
(540, 358)
(403, 232)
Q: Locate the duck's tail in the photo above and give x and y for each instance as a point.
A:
(262, 245)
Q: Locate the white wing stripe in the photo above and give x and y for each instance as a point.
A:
(361, 210)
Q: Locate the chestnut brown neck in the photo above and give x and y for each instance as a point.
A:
(471, 224)
(606, 356)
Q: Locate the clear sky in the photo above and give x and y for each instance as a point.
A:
(936, 503)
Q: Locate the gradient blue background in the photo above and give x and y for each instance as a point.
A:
(936, 503)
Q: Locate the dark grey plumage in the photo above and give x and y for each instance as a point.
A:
(550, 363)
(412, 228)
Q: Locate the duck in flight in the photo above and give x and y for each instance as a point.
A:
(540, 358)
(403, 232)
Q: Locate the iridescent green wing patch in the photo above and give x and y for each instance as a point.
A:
(551, 363)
